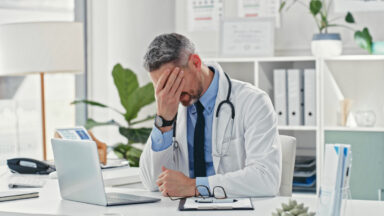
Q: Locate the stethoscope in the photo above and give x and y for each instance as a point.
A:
(175, 143)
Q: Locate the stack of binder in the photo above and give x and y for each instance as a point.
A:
(304, 176)
(295, 96)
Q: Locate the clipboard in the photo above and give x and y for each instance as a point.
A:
(185, 205)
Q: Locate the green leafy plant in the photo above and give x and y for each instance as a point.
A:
(292, 208)
(132, 98)
(320, 12)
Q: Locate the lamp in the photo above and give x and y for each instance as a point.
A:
(39, 48)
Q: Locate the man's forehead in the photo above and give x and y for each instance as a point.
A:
(168, 66)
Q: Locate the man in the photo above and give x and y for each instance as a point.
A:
(241, 154)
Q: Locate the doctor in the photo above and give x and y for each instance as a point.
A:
(224, 132)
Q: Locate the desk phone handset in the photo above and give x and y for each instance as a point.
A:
(29, 166)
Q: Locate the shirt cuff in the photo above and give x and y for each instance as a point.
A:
(160, 141)
(202, 181)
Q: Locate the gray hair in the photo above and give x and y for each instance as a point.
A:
(166, 48)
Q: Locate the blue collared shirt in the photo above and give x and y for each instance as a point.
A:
(161, 141)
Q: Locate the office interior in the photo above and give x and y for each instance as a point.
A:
(347, 80)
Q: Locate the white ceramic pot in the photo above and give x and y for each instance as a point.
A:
(326, 45)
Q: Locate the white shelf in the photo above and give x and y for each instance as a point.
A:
(297, 128)
(227, 59)
(355, 129)
(358, 77)
(297, 58)
(356, 58)
(286, 59)
(261, 59)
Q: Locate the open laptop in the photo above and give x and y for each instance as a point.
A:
(80, 177)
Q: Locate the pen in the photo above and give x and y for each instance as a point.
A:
(212, 200)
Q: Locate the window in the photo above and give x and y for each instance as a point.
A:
(20, 110)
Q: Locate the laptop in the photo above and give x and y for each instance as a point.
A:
(80, 178)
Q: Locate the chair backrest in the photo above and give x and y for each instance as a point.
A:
(288, 151)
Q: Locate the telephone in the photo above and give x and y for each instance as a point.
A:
(29, 166)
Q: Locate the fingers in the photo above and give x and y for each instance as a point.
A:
(162, 80)
(171, 79)
(162, 175)
(180, 88)
(177, 83)
(163, 168)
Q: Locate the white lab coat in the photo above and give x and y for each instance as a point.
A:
(247, 160)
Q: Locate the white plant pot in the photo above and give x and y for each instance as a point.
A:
(326, 45)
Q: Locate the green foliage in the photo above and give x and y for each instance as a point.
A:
(320, 10)
(129, 152)
(125, 82)
(364, 39)
(315, 7)
(349, 18)
(292, 208)
(132, 98)
(92, 123)
(139, 98)
(282, 5)
(136, 135)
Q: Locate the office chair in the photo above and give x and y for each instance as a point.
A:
(288, 151)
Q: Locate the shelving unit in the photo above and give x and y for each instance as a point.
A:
(357, 77)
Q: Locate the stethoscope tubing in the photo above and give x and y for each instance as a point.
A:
(226, 101)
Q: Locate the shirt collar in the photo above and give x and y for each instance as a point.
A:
(209, 97)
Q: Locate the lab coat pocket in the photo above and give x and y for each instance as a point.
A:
(231, 160)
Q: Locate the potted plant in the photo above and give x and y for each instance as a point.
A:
(324, 43)
(132, 98)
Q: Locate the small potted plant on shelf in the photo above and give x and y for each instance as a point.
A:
(132, 98)
(324, 43)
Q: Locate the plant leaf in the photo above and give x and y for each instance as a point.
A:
(131, 153)
(364, 39)
(315, 7)
(94, 103)
(349, 18)
(120, 149)
(282, 5)
(89, 102)
(138, 99)
(133, 156)
(126, 83)
(135, 135)
(92, 123)
(150, 117)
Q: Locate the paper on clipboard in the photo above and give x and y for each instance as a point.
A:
(241, 203)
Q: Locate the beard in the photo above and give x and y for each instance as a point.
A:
(189, 98)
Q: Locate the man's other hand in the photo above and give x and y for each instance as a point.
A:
(176, 184)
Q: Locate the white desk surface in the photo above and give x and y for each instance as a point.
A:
(51, 203)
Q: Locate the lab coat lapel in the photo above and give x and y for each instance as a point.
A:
(181, 137)
(220, 123)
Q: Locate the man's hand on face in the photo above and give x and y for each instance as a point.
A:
(168, 91)
(175, 183)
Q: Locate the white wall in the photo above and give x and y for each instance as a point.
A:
(120, 31)
(294, 36)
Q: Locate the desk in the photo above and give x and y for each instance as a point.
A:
(50, 202)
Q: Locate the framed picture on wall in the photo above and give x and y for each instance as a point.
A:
(247, 37)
